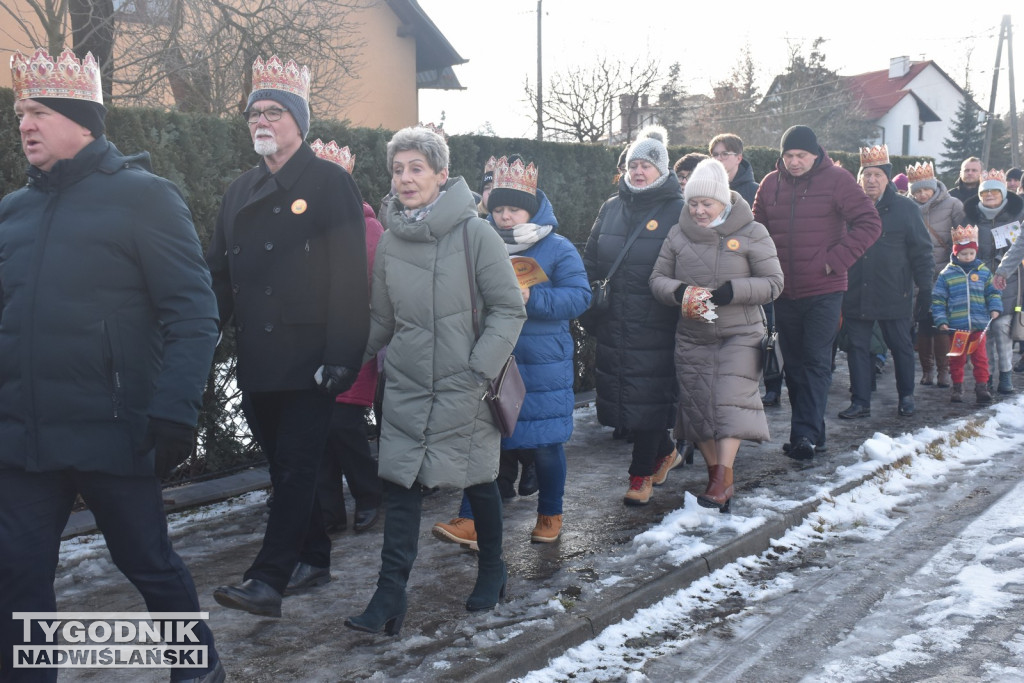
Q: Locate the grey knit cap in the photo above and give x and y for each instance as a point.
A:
(709, 179)
(296, 106)
(650, 147)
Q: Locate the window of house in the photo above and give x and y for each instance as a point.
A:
(144, 11)
(920, 132)
(906, 140)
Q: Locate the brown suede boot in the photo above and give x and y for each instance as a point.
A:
(461, 530)
(982, 394)
(942, 343)
(639, 491)
(720, 489)
(957, 394)
(547, 529)
(927, 358)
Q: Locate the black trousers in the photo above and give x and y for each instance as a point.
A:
(292, 430)
(129, 511)
(347, 453)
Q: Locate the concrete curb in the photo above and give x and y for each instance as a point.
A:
(523, 657)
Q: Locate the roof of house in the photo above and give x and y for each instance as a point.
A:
(434, 54)
(878, 94)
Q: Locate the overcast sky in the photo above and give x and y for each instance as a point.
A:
(498, 37)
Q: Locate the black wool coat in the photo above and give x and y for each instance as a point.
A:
(288, 260)
(108, 316)
(636, 381)
(883, 282)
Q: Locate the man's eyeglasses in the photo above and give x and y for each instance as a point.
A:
(723, 155)
(271, 114)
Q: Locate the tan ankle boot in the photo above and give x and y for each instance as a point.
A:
(461, 530)
(547, 529)
(639, 492)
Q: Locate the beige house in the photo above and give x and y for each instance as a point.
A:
(401, 51)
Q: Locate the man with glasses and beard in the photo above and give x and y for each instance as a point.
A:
(288, 260)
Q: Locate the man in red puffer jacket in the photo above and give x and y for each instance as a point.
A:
(821, 222)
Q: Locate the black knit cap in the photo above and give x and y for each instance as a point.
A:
(83, 112)
(1014, 174)
(800, 137)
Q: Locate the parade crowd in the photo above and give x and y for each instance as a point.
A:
(111, 314)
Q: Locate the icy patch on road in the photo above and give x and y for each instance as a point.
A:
(903, 467)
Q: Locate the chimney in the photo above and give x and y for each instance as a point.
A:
(627, 113)
(899, 67)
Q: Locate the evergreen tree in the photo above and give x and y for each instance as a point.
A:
(966, 138)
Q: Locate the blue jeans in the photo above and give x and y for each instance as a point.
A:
(551, 471)
(862, 367)
(807, 329)
(129, 511)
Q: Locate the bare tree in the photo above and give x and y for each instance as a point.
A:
(92, 30)
(48, 15)
(731, 108)
(579, 104)
(200, 52)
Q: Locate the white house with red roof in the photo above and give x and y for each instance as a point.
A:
(913, 104)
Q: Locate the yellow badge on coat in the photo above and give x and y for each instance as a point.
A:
(652, 225)
(733, 244)
(299, 206)
(974, 277)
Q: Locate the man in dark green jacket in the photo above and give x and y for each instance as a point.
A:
(106, 337)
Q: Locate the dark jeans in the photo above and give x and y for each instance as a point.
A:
(129, 511)
(292, 426)
(511, 459)
(648, 446)
(347, 453)
(862, 367)
(551, 471)
(807, 328)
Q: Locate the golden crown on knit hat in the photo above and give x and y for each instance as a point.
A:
(994, 174)
(874, 156)
(342, 156)
(274, 74)
(964, 233)
(439, 130)
(922, 170)
(515, 176)
(66, 77)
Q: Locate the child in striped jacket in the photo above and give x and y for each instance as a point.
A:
(965, 298)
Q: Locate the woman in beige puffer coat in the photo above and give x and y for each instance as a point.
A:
(717, 254)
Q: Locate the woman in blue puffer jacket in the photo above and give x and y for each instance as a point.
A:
(525, 220)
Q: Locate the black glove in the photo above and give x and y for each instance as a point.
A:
(337, 379)
(922, 305)
(680, 292)
(172, 443)
(722, 295)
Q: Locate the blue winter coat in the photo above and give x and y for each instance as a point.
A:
(544, 351)
(963, 296)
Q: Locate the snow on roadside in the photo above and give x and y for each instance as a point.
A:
(903, 467)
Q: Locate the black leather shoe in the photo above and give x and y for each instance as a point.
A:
(307, 576)
(819, 447)
(906, 408)
(803, 449)
(214, 675)
(770, 398)
(252, 596)
(528, 480)
(365, 519)
(855, 411)
(506, 488)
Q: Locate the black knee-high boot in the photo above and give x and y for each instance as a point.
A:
(386, 610)
(491, 576)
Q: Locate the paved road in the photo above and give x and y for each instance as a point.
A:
(559, 594)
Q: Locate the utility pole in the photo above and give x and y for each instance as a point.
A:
(1004, 34)
(540, 77)
(1014, 147)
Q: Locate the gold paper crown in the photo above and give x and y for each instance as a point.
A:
(436, 129)
(67, 78)
(489, 166)
(923, 170)
(994, 174)
(277, 75)
(874, 156)
(515, 176)
(331, 152)
(964, 233)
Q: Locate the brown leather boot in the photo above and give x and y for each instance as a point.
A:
(461, 530)
(982, 394)
(639, 492)
(942, 378)
(720, 488)
(957, 394)
(547, 529)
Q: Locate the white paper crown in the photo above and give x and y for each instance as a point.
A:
(331, 152)
(277, 75)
